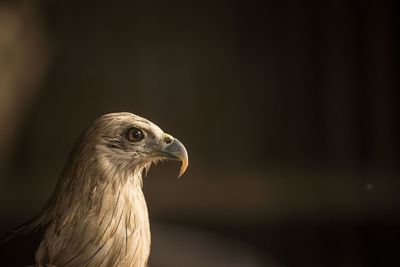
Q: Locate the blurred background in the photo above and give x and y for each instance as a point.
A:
(289, 111)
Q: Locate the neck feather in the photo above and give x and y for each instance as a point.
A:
(98, 210)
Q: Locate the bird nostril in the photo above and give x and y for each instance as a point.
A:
(168, 140)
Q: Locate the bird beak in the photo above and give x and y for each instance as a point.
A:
(177, 151)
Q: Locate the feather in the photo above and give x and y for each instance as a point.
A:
(97, 215)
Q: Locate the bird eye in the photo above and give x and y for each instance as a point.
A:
(134, 135)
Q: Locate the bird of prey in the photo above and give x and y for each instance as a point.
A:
(97, 215)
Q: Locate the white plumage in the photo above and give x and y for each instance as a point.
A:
(97, 215)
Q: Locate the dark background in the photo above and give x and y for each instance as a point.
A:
(289, 111)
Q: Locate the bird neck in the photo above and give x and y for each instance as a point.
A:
(90, 190)
(104, 212)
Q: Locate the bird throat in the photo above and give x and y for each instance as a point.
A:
(105, 223)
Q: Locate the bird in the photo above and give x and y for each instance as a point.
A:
(97, 215)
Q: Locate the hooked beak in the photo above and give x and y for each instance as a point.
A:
(173, 149)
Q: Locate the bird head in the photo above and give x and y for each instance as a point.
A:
(127, 142)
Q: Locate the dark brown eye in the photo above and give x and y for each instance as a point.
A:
(134, 135)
